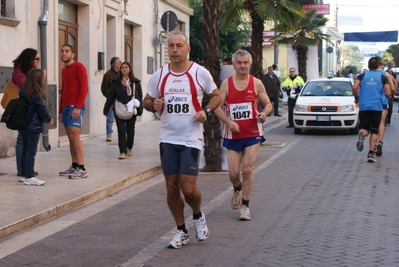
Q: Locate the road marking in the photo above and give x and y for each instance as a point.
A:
(153, 249)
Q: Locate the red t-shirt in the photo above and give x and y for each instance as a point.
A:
(74, 85)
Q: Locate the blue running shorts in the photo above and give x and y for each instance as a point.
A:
(67, 117)
(240, 144)
(179, 159)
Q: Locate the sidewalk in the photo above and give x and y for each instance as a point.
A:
(23, 206)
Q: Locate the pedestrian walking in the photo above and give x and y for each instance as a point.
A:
(367, 90)
(126, 89)
(242, 127)
(108, 77)
(72, 108)
(176, 90)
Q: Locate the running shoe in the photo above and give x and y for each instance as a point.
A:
(201, 229)
(371, 157)
(122, 156)
(379, 149)
(180, 239)
(21, 179)
(129, 152)
(78, 174)
(245, 215)
(236, 200)
(359, 144)
(68, 172)
(33, 181)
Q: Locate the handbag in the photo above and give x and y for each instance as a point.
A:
(121, 111)
(11, 92)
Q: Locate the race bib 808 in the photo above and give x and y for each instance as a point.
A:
(179, 104)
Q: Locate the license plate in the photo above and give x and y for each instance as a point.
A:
(323, 118)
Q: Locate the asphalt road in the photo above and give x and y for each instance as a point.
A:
(316, 201)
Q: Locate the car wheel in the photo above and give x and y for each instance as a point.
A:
(354, 130)
(297, 131)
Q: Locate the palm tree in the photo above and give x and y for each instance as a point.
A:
(393, 50)
(285, 11)
(304, 33)
(212, 147)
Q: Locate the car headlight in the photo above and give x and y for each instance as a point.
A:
(348, 108)
(301, 108)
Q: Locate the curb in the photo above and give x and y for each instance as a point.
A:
(77, 203)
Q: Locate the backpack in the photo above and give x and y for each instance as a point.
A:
(14, 115)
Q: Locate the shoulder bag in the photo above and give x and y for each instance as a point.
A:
(11, 92)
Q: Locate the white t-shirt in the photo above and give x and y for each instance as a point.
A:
(183, 93)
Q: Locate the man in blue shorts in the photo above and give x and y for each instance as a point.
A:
(72, 107)
(242, 129)
(369, 96)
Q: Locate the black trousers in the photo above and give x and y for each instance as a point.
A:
(291, 105)
(274, 100)
(126, 130)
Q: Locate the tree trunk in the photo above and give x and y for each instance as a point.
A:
(212, 135)
(256, 43)
(302, 57)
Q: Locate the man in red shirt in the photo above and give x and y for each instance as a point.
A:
(243, 129)
(72, 107)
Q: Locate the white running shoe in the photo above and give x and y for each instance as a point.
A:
(180, 239)
(201, 229)
(245, 215)
(78, 174)
(33, 181)
(21, 179)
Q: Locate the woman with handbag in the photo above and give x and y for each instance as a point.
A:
(28, 59)
(126, 95)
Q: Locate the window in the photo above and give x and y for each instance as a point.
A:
(7, 16)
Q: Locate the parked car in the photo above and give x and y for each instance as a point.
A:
(326, 104)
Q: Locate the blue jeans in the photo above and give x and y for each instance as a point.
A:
(110, 121)
(29, 150)
(18, 152)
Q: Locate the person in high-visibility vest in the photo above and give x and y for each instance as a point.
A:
(292, 85)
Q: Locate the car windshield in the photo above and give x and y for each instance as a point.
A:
(327, 88)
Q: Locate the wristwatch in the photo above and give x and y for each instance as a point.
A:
(208, 111)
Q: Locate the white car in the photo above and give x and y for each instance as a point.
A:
(326, 104)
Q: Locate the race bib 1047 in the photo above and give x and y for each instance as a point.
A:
(241, 111)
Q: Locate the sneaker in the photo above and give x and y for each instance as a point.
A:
(245, 215)
(129, 152)
(379, 149)
(68, 172)
(201, 229)
(371, 157)
(109, 138)
(33, 181)
(21, 179)
(359, 144)
(122, 156)
(180, 239)
(78, 174)
(236, 199)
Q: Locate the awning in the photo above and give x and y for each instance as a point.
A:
(389, 36)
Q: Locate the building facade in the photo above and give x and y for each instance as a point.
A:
(134, 30)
